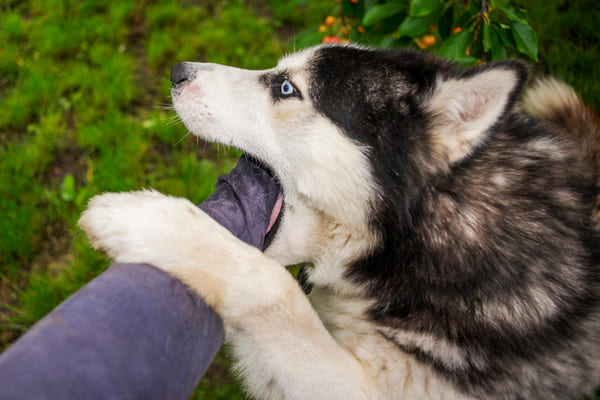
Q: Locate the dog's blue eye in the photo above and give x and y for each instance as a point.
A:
(287, 88)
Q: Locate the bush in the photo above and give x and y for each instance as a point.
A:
(468, 32)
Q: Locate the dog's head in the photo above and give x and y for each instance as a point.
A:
(348, 131)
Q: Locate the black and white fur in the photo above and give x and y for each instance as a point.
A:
(450, 238)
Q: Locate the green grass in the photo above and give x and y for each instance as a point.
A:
(83, 93)
(84, 90)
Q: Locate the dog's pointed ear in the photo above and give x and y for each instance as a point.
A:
(466, 107)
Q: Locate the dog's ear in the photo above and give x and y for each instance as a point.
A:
(466, 107)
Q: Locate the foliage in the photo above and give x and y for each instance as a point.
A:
(468, 32)
(569, 43)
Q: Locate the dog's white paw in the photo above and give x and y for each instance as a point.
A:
(139, 226)
(174, 235)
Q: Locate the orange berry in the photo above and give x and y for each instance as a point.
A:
(421, 44)
(322, 28)
(353, 1)
(361, 29)
(331, 39)
(330, 20)
(428, 40)
(457, 29)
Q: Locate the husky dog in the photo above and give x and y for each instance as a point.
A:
(451, 239)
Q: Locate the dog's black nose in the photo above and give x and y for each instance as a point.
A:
(181, 72)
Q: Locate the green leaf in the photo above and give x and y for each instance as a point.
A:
(455, 47)
(510, 13)
(418, 26)
(67, 189)
(380, 12)
(387, 42)
(466, 61)
(498, 50)
(487, 37)
(515, 14)
(499, 53)
(413, 26)
(422, 8)
(506, 37)
(525, 39)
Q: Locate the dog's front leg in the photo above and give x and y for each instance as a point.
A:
(283, 351)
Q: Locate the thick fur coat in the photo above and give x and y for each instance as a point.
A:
(451, 238)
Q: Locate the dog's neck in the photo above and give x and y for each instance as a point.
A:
(306, 235)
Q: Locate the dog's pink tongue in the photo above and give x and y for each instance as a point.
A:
(275, 212)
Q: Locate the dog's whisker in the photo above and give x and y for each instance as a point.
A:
(164, 107)
(171, 120)
(172, 123)
(183, 138)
